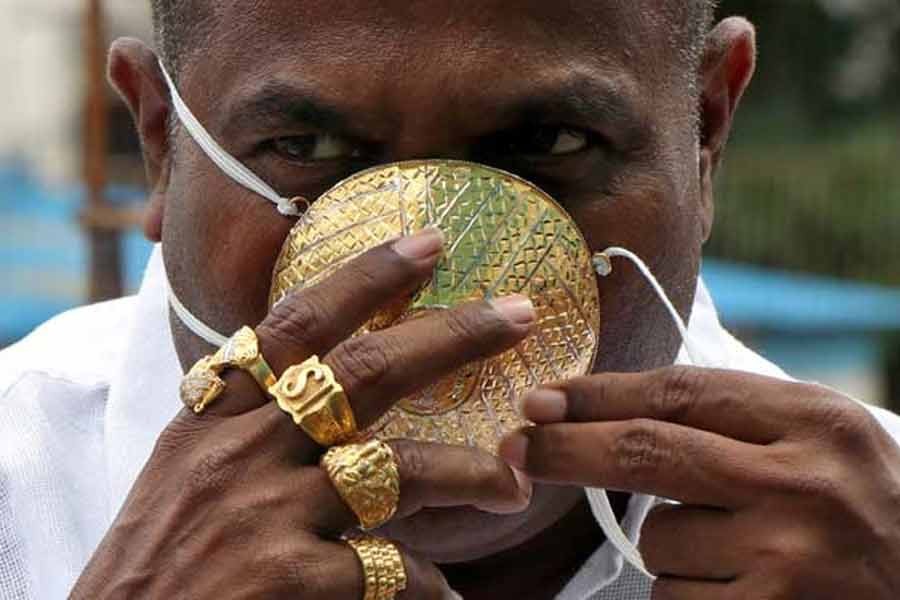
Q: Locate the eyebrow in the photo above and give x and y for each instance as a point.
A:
(584, 99)
(279, 104)
(588, 100)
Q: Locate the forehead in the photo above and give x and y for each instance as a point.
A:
(400, 55)
(426, 35)
(475, 23)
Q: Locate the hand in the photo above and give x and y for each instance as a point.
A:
(233, 504)
(789, 491)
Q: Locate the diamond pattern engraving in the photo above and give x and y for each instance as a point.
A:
(504, 236)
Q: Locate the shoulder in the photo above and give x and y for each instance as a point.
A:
(81, 347)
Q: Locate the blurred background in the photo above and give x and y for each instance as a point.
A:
(805, 257)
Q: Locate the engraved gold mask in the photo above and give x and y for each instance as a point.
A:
(503, 236)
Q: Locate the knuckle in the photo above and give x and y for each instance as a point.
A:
(297, 566)
(640, 452)
(297, 321)
(243, 517)
(172, 441)
(676, 395)
(784, 551)
(474, 322)
(845, 422)
(411, 460)
(212, 470)
(822, 487)
(801, 478)
(360, 362)
(484, 472)
(315, 514)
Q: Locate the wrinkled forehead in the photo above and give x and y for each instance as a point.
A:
(409, 47)
(477, 25)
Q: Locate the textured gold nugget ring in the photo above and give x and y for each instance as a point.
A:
(366, 477)
(316, 402)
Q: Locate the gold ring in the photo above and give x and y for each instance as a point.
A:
(383, 570)
(203, 385)
(241, 351)
(366, 477)
(309, 393)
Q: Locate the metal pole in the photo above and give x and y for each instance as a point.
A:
(105, 253)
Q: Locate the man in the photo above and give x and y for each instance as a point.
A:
(787, 490)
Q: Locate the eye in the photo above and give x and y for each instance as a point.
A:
(546, 141)
(315, 148)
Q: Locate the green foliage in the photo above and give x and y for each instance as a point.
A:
(829, 207)
(812, 178)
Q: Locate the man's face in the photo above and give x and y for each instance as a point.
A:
(584, 98)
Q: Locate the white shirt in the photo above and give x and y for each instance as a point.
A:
(84, 397)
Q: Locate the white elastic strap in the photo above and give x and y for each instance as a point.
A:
(197, 326)
(694, 354)
(606, 518)
(227, 163)
(598, 498)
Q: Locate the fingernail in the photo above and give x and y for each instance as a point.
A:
(419, 246)
(454, 595)
(513, 450)
(545, 405)
(517, 309)
(524, 483)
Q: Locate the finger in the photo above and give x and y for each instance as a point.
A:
(692, 542)
(739, 405)
(423, 579)
(378, 369)
(381, 368)
(673, 588)
(431, 476)
(314, 320)
(651, 457)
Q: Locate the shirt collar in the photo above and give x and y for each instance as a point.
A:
(143, 396)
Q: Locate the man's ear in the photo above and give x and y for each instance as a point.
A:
(728, 65)
(135, 74)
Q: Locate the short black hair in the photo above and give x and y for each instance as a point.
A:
(176, 27)
(178, 23)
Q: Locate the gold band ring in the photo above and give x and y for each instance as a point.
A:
(366, 477)
(309, 393)
(203, 385)
(383, 570)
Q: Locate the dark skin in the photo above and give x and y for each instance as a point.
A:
(603, 118)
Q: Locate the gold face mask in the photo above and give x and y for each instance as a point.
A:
(503, 236)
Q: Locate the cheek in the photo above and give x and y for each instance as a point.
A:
(220, 243)
(636, 331)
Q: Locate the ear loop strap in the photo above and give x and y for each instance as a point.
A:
(227, 163)
(236, 171)
(198, 327)
(598, 498)
(603, 265)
